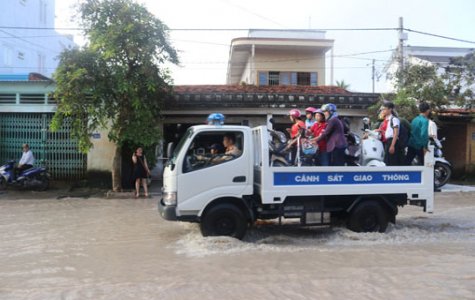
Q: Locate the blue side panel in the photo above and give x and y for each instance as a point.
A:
(14, 77)
(335, 178)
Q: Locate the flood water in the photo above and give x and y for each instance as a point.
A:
(122, 249)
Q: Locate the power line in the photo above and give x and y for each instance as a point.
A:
(247, 29)
(214, 29)
(440, 36)
(31, 43)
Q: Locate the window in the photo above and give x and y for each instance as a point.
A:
(43, 11)
(284, 78)
(274, 78)
(7, 56)
(287, 78)
(41, 63)
(262, 78)
(210, 149)
(303, 78)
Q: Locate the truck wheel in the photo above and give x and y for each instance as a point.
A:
(368, 216)
(224, 219)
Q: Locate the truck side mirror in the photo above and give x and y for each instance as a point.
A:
(170, 148)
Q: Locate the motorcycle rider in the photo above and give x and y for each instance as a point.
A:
(27, 160)
(334, 135)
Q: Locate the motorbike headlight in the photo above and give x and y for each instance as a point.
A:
(169, 198)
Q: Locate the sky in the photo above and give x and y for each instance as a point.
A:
(204, 54)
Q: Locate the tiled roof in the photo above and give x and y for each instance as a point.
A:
(262, 97)
(461, 113)
(268, 89)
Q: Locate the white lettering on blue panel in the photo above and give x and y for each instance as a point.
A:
(325, 178)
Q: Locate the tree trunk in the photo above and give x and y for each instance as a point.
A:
(117, 170)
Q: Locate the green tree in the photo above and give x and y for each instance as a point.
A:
(342, 84)
(422, 83)
(117, 81)
(460, 76)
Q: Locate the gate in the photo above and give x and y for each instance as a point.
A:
(55, 150)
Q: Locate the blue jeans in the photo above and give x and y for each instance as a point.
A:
(337, 157)
(323, 158)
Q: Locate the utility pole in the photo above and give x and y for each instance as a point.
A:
(373, 71)
(402, 38)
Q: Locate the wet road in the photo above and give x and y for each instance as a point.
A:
(121, 249)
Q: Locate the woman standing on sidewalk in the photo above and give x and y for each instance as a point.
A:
(141, 171)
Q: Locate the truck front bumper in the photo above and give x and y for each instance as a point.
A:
(168, 212)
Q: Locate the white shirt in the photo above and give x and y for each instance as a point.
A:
(392, 122)
(27, 158)
(432, 129)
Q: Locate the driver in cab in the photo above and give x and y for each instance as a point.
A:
(231, 151)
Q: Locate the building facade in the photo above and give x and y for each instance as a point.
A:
(28, 42)
(279, 57)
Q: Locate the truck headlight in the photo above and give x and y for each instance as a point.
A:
(169, 198)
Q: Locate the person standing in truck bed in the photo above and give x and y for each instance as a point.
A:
(334, 135)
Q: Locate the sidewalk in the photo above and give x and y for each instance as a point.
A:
(457, 188)
(154, 190)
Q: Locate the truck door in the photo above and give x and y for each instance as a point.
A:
(216, 165)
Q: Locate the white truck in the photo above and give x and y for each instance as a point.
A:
(228, 193)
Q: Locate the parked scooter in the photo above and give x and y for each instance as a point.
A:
(32, 178)
(280, 148)
(353, 151)
(442, 167)
(372, 149)
(279, 151)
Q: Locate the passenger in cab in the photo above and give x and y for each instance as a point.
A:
(334, 135)
(317, 129)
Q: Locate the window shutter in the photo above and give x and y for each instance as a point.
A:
(263, 78)
(293, 78)
(313, 79)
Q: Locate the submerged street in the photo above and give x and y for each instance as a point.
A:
(74, 248)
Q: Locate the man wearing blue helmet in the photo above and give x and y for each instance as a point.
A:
(334, 135)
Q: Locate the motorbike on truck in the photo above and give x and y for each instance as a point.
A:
(33, 178)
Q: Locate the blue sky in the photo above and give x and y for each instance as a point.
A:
(204, 55)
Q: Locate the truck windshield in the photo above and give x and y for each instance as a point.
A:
(177, 150)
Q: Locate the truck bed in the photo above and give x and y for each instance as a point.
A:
(275, 184)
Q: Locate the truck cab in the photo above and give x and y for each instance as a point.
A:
(194, 179)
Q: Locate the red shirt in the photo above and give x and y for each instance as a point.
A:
(317, 129)
(383, 128)
(295, 128)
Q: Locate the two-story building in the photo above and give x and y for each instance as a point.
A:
(279, 57)
(28, 41)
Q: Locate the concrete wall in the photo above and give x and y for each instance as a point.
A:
(247, 75)
(290, 61)
(471, 148)
(100, 157)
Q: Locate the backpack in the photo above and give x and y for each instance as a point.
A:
(404, 132)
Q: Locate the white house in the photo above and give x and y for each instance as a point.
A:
(279, 57)
(28, 42)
